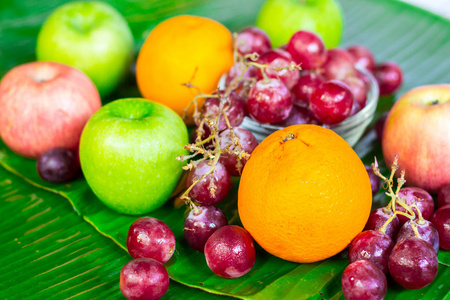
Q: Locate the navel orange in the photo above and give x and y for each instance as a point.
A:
(179, 50)
(304, 194)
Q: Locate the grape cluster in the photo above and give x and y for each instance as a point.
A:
(402, 239)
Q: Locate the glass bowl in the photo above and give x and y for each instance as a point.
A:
(351, 129)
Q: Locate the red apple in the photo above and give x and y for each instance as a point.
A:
(418, 129)
(45, 105)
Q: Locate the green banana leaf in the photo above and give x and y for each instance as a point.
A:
(415, 39)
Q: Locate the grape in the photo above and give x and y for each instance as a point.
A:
(443, 197)
(248, 142)
(277, 58)
(418, 196)
(58, 165)
(377, 219)
(307, 49)
(298, 115)
(331, 102)
(338, 65)
(374, 180)
(230, 252)
(252, 40)
(199, 227)
(363, 280)
(362, 57)
(305, 86)
(234, 109)
(236, 70)
(358, 88)
(441, 220)
(371, 245)
(144, 279)
(355, 108)
(201, 192)
(150, 238)
(379, 126)
(426, 230)
(413, 263)
(389, 77)
(269, 101)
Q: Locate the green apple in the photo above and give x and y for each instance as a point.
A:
(280, 19)
(92, 37)
(128, 153)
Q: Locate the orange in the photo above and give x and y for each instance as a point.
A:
(179, 50)
(304, 194)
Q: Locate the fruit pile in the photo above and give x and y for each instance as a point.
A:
(327, 90)
(402, 239)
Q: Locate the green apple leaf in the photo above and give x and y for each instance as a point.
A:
(392, 30)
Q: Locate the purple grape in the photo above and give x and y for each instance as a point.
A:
(201, 192)
(338, 64)
(426, 230)
(362, 57)
(441, 220)
(377, 219)
(379, 126)
(252, 40)
(144, 279)
(269, 101)
(233, 107)
(374, 180)
(371, 245)
(363, 280)
(199, 227)
(413, 263)
(389, 77)
(305, 86)
(277, 58)
(150, 238)
(418, 196)
(230, 252)
(298, 115)
(248, 143)
(307, 49)
(358, 88)
(443, 197)
(331, 102)
(58, 165)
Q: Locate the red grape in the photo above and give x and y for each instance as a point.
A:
(389, 77)
(441, 220)
(374, 180)
(443, 197)
(233, 107)
(230, 252)
(231, 161)
(331, 102)
(355, 108)
(426, 230)
(363, 280)
(269, 101)
(307, 49)
(144, 279)
(150, 238)
(362, 56)
(338, 65)
(418, 196)
(298, 115)
(377, 219)
(358, 88)
(277, 58)
(236, 71)
(199, 227)
(371, 245)
(305, 86)
(201, 192)
(252, 40)
(413, 263)
(58, 165)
